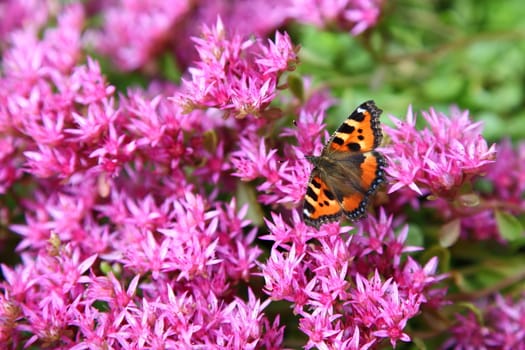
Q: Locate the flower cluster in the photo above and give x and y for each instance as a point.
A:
(134, 34)
(445, 162)
(137, 31)
(355, 15)
(500, 191)
(440, 158)
(285, 175)
(17, 14)
(234, 75)
(139, 214)
(349, 291)
(124, 242)
(177, 294)
(40, 87)
(507, 175)
(500, 326)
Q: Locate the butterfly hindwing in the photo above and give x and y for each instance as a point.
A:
(355, 202)
(320, 202)
(348, 171)
(360, 132)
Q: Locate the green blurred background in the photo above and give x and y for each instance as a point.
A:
(429, 54)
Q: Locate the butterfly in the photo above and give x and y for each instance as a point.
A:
(348, 171)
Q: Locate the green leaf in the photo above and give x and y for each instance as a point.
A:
(415, 236)
(443, 87)
(169, 68)
(246, 194)
(509, 227)
(419, 343)
(449, 233)
(101, 305)
(105, 267)
(295, 84)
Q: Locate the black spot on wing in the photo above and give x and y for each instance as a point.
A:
(354, 147)
(309, 208)
(310, 193)
(338, 140)
(346, 129)
(357, 116)
(329, 195)
(316, 184)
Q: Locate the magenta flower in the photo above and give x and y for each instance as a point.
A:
(10, 162)
(319, 282)
(445, 160)
(356, 15)
(133, 33)
(394, 316)
(17, 14)
(114, 152)
(364, 14)
(469, 334)
(438, 159)
(284, 277)
(286, 178)
(146, 217)
(235, 75)
(318, 326)
(117, 233)
(507, 174)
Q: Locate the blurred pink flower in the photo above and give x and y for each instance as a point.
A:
(438, 159)
(355, 15)
(16, 15)
(134, 32)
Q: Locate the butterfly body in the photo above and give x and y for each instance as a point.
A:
(348, 170)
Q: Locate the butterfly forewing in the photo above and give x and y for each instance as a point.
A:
(360, 132)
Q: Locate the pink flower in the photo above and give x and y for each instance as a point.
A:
(394, 314)
(283, 275)
(134, 32)
(147, 218)
(507, 173)
(114, 153)
(10, 162)
(235, 75)
(469, 334)
(364, 14)
(318, 326)
(17, 14)
(254, 160)
(357, 15)
(440, 158)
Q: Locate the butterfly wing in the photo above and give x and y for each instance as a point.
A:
(320, 202)
(348, 171)
(360, 132)
(363, 173)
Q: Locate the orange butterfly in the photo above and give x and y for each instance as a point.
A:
(348, 171)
